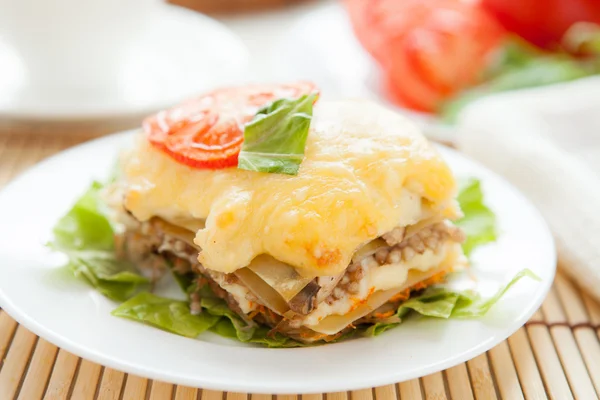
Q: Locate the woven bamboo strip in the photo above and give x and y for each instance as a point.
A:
(12, 142)
(160, 390)
(8, 327)
(537, 317)
(434, 386)
(481, 378)
(553, 313)
(39, 371)
(110, 384)
(572, 362)
(212, 395)
(183, 393)
(593, 309)
(3, 152)
(316, 396)
(548, 362)
(363, 394)
(572, 304)
(51, 146)
(410, 390)
(573, 365)
(335, 396)
(287, 397)
(236, 396)
(7, 153)
(387, 392)
(529, 374)
(62, 376)
(586, 339)
(505, 372)
(29, 156)
(10, 159)
(261, 397)
(16, 361)
(86, 380)
(458, 382)
(135, 388)
(3, 141)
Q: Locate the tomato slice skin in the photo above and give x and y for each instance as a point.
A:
(207, 132)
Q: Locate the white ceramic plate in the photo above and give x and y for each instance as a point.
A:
(320, 46)
(76, 318)
(178, 53)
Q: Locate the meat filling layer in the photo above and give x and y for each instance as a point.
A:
(380, 269)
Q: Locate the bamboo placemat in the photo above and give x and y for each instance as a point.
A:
(555, 355)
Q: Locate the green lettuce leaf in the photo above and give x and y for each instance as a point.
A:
(219, 308)
(471, 305)
(174, 316)
(260, 335)
(377, 329)
(86, 236)
(167, 314)
(478, 222)
(185, 281)
(442, 302)
(274, 140)
(115, 279)
(84, 226)
(232, 326)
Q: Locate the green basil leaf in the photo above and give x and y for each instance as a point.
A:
(274, 140)
(167, 314)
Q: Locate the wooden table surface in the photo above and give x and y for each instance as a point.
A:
(555, 355)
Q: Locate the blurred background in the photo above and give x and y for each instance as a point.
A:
(103, 65)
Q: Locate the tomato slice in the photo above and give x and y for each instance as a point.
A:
(208, 131)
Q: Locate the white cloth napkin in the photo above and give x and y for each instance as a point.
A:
(546, 142)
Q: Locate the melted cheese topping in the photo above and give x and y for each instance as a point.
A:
(366, 170)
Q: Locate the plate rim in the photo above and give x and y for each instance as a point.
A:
(248, 386)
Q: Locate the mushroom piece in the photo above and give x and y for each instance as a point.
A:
(327, 284)
(305, 301)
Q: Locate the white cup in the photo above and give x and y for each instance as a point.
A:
(73, 44)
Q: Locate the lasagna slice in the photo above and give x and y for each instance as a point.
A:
(364, 225)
